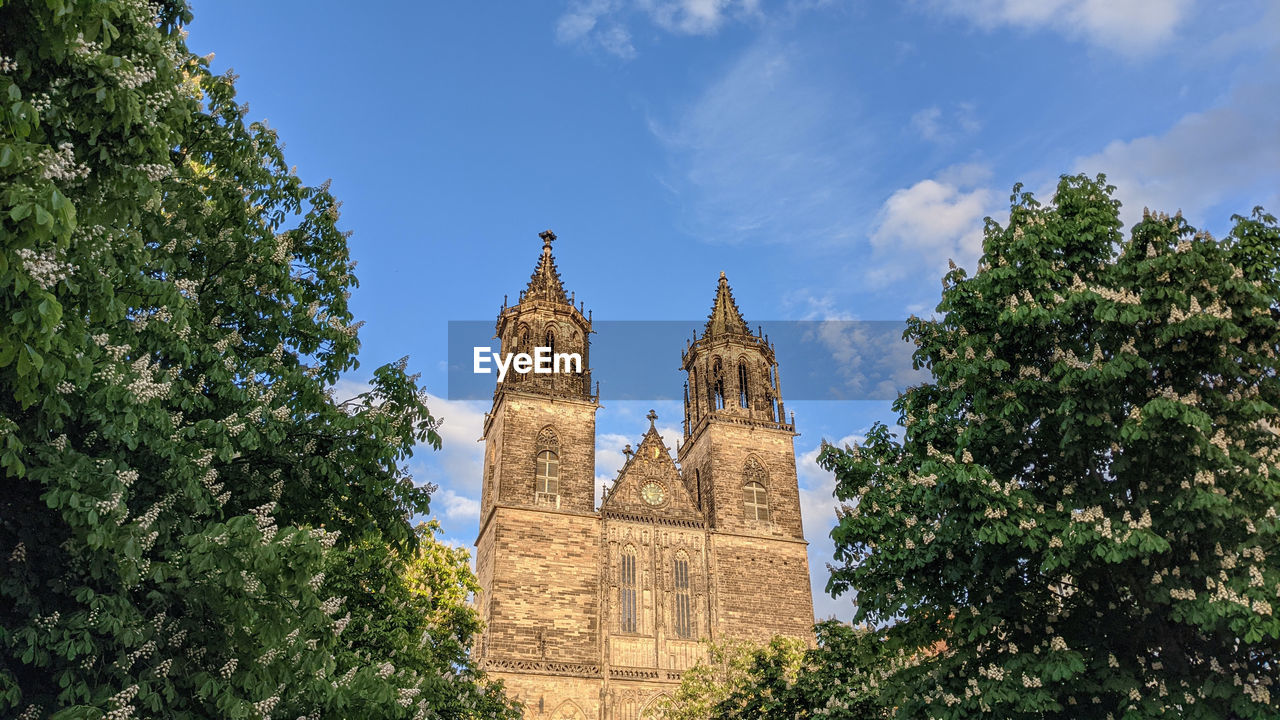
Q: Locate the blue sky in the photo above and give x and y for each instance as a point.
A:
(830, 157)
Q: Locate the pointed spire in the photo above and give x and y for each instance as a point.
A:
(545, 283)
(725, 318)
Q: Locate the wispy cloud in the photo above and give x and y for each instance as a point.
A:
(1227, 152)
(604, 24)
(766, 153)
(593, 23)
(939, 126)
(1127, 27)
(696, 17)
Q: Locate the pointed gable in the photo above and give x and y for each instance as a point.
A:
(725, 317)
(545, 283)
(649, 485)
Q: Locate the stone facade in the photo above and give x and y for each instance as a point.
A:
(594, 613)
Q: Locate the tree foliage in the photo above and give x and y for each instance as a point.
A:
(191, 525)
(1081, 508)
(731, 667)
(784, 680)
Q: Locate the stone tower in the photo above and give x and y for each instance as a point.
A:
(594, 614)
(536, 550)
(738, 459)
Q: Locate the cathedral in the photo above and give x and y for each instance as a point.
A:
(593, 613)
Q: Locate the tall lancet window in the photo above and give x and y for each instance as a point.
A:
(717, 384)
(755, 499)
(744, 400)
(694, 389)
(627, 591)
(546, 468)
(684, 608)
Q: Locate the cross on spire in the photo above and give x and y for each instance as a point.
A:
(653, 416)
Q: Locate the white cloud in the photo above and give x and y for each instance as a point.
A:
(603, 23)
(1128, 27)
(818, 512)
(1230, 152)
(457, 506)
(460, 460)
(609, 459)
(920, 227)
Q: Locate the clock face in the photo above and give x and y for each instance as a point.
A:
(653, 493)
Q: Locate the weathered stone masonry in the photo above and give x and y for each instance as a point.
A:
(595, 612)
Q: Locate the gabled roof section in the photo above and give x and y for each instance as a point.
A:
(725, 317)
(545, 283)
(651, 462)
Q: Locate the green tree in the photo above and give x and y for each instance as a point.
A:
(1079, 516)
(784, 680)
(188, 515)
(839, 677)
(735, 673)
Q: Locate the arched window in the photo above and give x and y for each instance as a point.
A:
(755, 503)
(755, 500)
(627, 591)
(717, 384)
(546, 477)
(551, 341)
(695, 387)
(524, 339)
(744, 401)
(684, 609)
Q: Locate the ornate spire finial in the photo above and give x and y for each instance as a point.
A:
(725, 318)
(545, 283)
(653, 416)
